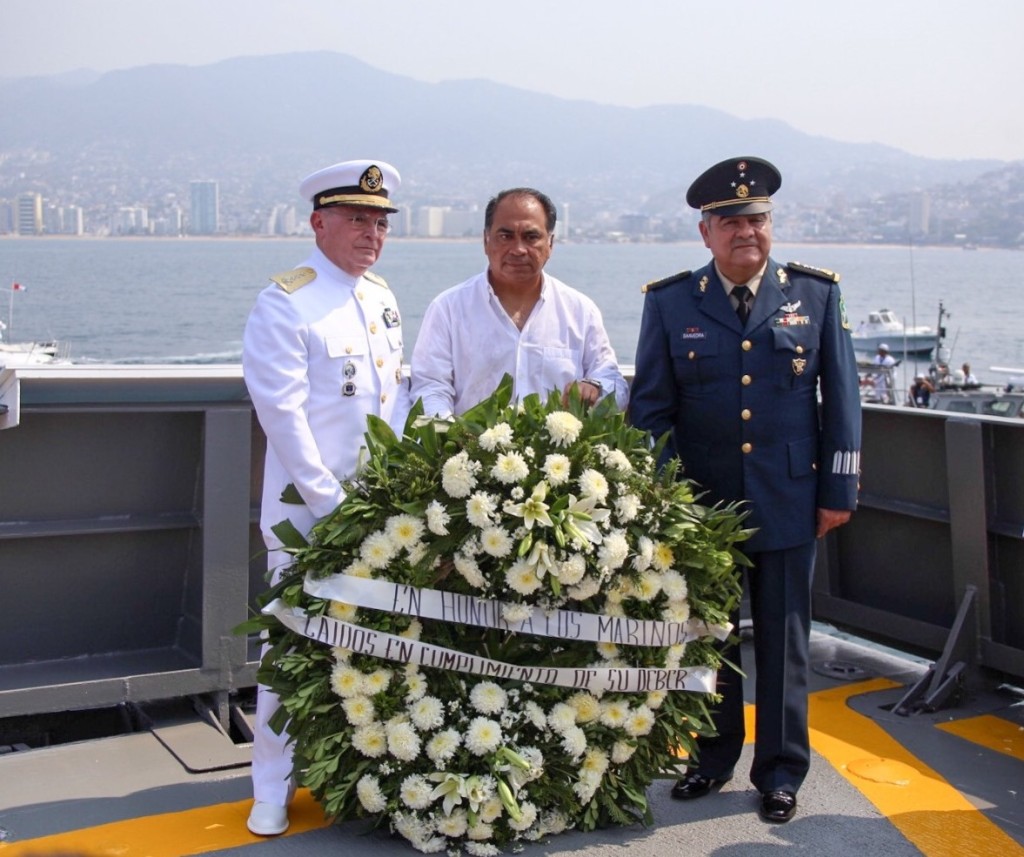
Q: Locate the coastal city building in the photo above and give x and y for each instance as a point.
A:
(205, 213)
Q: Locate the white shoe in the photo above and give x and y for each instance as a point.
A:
(266, 819)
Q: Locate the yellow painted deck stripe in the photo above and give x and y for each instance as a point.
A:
(927, 810)
(986, 730)
(172, 834)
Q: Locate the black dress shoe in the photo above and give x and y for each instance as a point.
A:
(778, 806)
(696, 785)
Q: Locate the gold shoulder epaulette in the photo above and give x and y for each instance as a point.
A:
(376, 278)
(294, 279)
(824, 273)
(657, 284)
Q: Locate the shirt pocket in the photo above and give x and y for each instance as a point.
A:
(560, 364)
(694, 356)
(341, 346)
(796, 352)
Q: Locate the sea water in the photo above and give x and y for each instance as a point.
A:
(141, 300)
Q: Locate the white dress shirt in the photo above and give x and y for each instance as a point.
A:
(316, 363)
(467, 342)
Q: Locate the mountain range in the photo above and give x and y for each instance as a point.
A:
(258, 124)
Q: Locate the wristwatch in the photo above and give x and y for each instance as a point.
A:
(593, 383)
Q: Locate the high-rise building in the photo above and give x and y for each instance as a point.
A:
(205, 218)
(29, 215)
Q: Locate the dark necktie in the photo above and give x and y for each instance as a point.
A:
(744, 298)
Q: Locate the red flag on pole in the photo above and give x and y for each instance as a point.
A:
(18, 287)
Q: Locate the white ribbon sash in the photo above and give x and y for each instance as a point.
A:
(334, 632)
(467, 610)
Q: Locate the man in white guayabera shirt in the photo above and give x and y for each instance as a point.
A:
(513, 319)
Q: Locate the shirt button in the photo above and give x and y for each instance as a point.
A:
(745, 413)
(747, 447)
(373, 327)
(746, 380)
(380, 362)
(747, 345)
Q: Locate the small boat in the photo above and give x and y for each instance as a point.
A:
(17, 355)
(883, 326)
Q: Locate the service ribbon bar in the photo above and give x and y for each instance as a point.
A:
(485, 613)
(365, 641)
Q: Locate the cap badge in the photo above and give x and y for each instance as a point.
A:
(742, 166)
(372, 180)
(742, 191)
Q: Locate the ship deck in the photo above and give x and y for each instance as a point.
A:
(949, 782)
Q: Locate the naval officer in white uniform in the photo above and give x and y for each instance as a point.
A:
(322, 350)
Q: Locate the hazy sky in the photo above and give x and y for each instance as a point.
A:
(940, 78)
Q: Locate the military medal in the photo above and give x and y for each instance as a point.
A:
(798, 365)
(349, 370)
(348, 389)
(391, 318)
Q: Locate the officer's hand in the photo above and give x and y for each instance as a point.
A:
(588, 392)
(829, 519)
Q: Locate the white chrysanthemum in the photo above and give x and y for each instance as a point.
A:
(608, 651)
(647, 587)
(570, 571)
(488, 698)
(614, 713)
(622, 752)
(437, 518)
(496, 542)
(593, 485)
(483, 736)
(674, 656)
(342, 611)
(341, 655)
(358, 568)
(616, 459)
(497, 436)
(376, 681)
(557, 468)
(535, 714)
(469, 569)
(644, 553)
(515, 613)
(586, 786)
(510, 468)
(346, 680)
(574, 741)
(655, 699)
(662, 557)
(480, 507)
(563, 427)
(478, 845)
(370, 740)
(404, 530)
(562, 717)
(442, 747)
(640, 722)
(403, 742)
(676, 611)
(359, 710)
(613, 607)
(482, 849)
(452, 825)
(415, 791)
(491, 809)
(586, 705)
(377, 550)
(427, 713)
(527, 816)
(627, 507)
(674, 585)
(369, 794)
(415, 683)
(586, 588)
(520, 577)
(414, 630)
(613, 551)
(553, 823)
(595, 762)
(458, 475)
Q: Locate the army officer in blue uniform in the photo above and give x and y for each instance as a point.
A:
(731, 360)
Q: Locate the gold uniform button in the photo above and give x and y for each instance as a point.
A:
(692, 355)
(799, 349)
(745, 413)
(747, 447)
(348, 349)
(814, 465)
(746, 380)
(373, 327)
(359, 295)
(747, 345)
(380, 362)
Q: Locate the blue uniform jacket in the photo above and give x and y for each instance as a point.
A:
(742, 403)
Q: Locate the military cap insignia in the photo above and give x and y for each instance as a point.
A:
(292, 281)
(742, 191)
(782, 275)
(372, 180)
(824, 273)
(657, 284)
(376, 279)
(703, 284)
